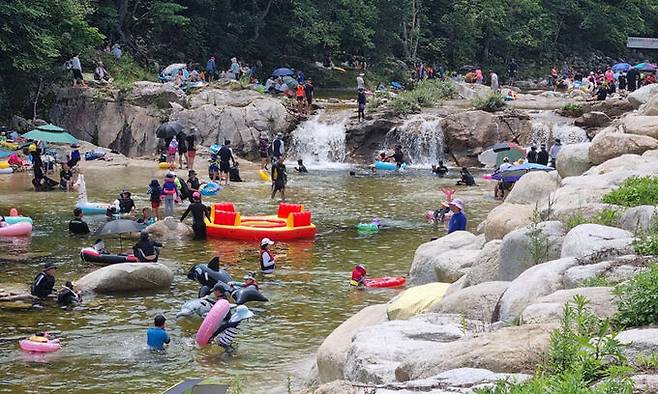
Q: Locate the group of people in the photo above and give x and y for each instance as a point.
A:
(182, 144)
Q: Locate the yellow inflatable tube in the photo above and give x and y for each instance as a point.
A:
(416, 300)
(4, 164)
(264, 175)
(165, 166)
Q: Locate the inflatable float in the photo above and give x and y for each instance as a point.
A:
(247, 294)
(163, 165)
(6, 170)
(39, 344)
(207, 276)
(16, 230)
(291, 222)
(387, 166)
(196, 307)
(4, 165)
(90, 255)
(264, 175)
(386, 281)
(371, 227)
(210, 189)
(14, 217)
(88, 208)
(211, 322)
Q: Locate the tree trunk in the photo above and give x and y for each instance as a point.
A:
(36, 100)
(261, 19)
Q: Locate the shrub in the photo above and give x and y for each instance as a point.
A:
(126, 70)
(538, 243)
(582, 351)
(607, 217)
(426, 93)
(637, 299)
(492, 103)
(572, 109)
(646, 245)
(634, 191)
(575, 219)
(595, 281)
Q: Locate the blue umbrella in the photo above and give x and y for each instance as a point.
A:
(646, 67)
(621, 67)
(514, 173)
(283, 71)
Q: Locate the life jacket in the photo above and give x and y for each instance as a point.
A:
(173, 147)
(169, 188)
(260, 257)
(300, 90)
(358, 274)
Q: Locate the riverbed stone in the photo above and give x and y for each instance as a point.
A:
(550, 308)
(515, 254)
(447, 256)
(641, 125)
(573, 159)
(639, 341)
(486, 265)
(605, 147)
(475, 302)
(535, 282)
(642, 95)
(534, 187)
(127, 277)
(593, 119)
(510, 350)
(638, 219)
(332, 353)
(587, 239)
(650, 108)
(170, 228)
(415, 300)
(506, 218)
(377, 351)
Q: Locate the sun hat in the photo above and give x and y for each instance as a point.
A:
(266, 241)
(49, 265)
(458, 203)
(241, 313)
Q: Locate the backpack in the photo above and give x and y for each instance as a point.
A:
(184, 190)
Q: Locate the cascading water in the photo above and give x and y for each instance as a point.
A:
(421, 138)
(548, 126)
(320, 141)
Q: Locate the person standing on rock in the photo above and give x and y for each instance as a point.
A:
(542, 155)
(494, 82)
(632, 78)
(361, 102)
(532, 155)
(211, 69)
(458, 220)
(555, 150)
(308, 91)
(76, 68)
(182, 148)
(264, 150)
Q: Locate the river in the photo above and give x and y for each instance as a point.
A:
(104, 342)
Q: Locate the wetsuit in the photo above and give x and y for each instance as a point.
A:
(126, 205)
(225, 157)
(199, 213)
(279, 176)
(146, 247)
(43, 285)
(78, 226)
(399, 158)
(278, 148)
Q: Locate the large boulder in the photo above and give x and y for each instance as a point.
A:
(611, 272)
(535, 282)
(470, 91)
(533, 187)
(573, 159)
(608, 146)
(416, 300)
(641, 125)
(650, 108)
(450, 254)
(170, 228)
(506, 218)
(587, 239)
(523, 248)
(127, 277)
(638, 219)
(468, 133)
(550, 308)
(593, 119)
(639, 342)
(476, 302)
(642, 95)
(159, 95)
(485, 268)
(510, 350)
(613, 107)
(377, 350)
(332, 353)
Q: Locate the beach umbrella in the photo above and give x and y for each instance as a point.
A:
(283, 71)
(119, 226)
(621, 67)
(169, 129)
(50, 133)
(514, 173)
(646, 67)
(502, 146)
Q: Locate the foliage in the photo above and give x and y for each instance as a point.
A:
(646, 245)
(575, 219)
(637, 299)
(426, 93)
(634, 191)
(538, 243)
(573, 109)
(583, 350)
(126, 70)
(607, 217)
(595, 281)
(645, 362)
(492, 103)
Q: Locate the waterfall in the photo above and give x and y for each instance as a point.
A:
(421, 138)
(320, 141)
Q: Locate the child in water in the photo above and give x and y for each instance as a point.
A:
(359, 274)
(156, 336)
(226, 333)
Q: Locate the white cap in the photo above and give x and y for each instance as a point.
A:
(266, 241)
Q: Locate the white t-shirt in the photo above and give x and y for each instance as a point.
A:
(267, 261)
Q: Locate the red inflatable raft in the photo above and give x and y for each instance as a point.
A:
(291, 222)
(387, 281)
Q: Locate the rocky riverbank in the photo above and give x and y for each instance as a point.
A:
(495, 320)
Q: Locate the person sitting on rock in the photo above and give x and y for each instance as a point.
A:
(146, 250)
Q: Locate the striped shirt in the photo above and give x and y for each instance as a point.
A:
(227, 336)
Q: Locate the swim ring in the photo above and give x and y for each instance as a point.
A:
(386, 281)
(264, 175)
(165, 166)
(6, 170)
(386, 166)
(39, 345)
(211, 322)
(210, 189)
(90, 255)
(16, 230)
(14, 217)
(367, 227)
